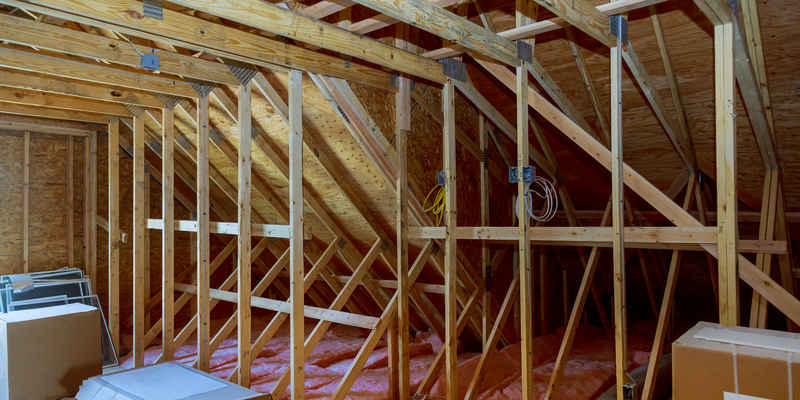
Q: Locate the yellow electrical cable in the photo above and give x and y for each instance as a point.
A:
(437, 206)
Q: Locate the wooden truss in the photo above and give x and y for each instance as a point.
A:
(45, 74)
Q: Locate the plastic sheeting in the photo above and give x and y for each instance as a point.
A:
(589, 371)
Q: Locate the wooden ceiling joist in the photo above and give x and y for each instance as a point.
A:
(429, 17)
(540, 27)
(33, 62)
(182, 30)
(583, 15)
(277, 20)
(50, 84)
(49, 100)
(72, 42)
(52, 113)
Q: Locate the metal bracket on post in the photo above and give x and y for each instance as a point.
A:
(167, 100)
(441, 179)
(524, 51)
(394, 79)
(153, 9)
(454, 69)
(202, 89)
(734, 4)
(619, 27)
(243, 74)
(528, 173)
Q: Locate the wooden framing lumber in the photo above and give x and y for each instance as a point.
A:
(450, 249)
(540, 27)
(491, 341)
(618, 216)
(73, 42)
(583, 15)
(727, 236)
(203, 231)
(51, 113)
(279, 21)
(26, 203)
(91, 195)
(50, 65)
(49, 100)
(402, 132)
(44, 127)
(194, 33)
(52, 84)
(113, 231)
(139, 249)
(758, 306)
(526, 283)
(244, 241)
(425, 15)
(297, 290)
(486, 272)
(168, 234)
(70, 194)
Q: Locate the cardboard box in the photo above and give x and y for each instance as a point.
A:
(165, 381)
(46, 353)
(709, 361)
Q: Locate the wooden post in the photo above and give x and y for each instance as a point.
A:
(486, 272)
(92, 193)
(618, 212)
(87, 159)
(70, 201)
(113, 230)
(245, 288)
(203, 232)
(523, 221)
(26, 205)
(168, 233)
(403, 130)
(727, 234)
(146, 251)
(450, 246)
(296, 329)
(139, 232)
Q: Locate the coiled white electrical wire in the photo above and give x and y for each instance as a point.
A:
(547, 191)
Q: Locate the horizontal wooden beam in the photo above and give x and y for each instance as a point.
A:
(50, 65)
(50, 84)
(272, 18)
(77, 43)
(49, 100)
(225, 228)
(184, 30)
(540, 27)
(43, 128)
(685, 238)
(339, 317)
(52, 113)
(584, 16)
(426, 15)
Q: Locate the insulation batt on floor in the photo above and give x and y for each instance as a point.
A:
(589, 371)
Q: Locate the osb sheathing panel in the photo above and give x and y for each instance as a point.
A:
(48, 208)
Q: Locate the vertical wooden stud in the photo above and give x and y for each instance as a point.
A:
(87, 159)
(168, 234)
(486, 273)
(450, 246)
(403, 130)
(146, 250)
(297, 357)
(92, 193)
(244, 293)
(70, 201)
(203, 232)
(113, 230)
(618, 217)
(523, 221)
(727, 228)
(26, 205)
(139, 232)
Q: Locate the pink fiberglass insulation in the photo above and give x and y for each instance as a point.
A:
(589, 371)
